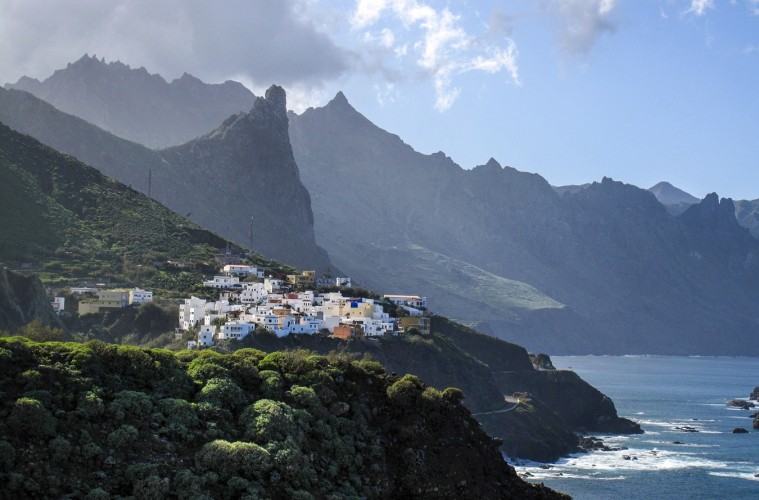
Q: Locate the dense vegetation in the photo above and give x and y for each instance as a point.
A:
(66, 220)
(96, 420)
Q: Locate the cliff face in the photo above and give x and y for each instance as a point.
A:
(136, 105)
(602, 269)
(240, 172)
(245, 179)
(22, 300)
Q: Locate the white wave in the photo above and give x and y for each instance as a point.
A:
(737, 475)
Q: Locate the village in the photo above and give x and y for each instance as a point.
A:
(294, 307)
(247, 302)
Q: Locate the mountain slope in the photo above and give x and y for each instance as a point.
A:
(251, 175)
(611, 270)
(136, 105)
(69, 220)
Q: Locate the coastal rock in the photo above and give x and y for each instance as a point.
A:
(755, 425)
(542, 362)
(755, 394)
(741, 403)
(740, 430)
(686, 428)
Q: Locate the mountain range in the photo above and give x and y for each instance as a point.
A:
(138, 106)
(602, 268)
(69, 219)
(240, 180)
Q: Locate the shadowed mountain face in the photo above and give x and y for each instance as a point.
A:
(609, 270)
(747, 213)
(136, 105)
(239, 180)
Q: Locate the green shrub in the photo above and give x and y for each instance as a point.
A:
(453, 394)
(132, 406)
(98, 494)
(7, 456)
(178, 417)
(123, 437)
(226, 459)
(60, 449)
(29, 417)
(90, 405)
(266, 420)
(405, 391)
(222, 392)
(207, 365)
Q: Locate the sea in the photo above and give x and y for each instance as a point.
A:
(666, 395)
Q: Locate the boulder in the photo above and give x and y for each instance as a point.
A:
(741, 403)
(740, 430)
(755, 394)
(756, 423)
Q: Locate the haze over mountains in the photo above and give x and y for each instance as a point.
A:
(239, 181)
(602, 268)
(136, 105)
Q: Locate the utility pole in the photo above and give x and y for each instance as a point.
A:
(250, 237)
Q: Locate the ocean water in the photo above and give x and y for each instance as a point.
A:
(663, 393)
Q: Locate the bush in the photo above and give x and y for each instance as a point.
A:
(7, 456)
(132, 406)
(234, 459)
(224, 393)
(453, 394)
(60, 449)
(266, 421)
(405, 391)
(90, 405)
(29, 417)
(123, 437)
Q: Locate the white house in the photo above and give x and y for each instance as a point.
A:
(272, 285)
(191, 312)
(414, 301)
(223, 282)
(139, 296)
(253, 293)
(346, 282)
(205, 337)
(242, 270)
(236, 330)
(58, 303)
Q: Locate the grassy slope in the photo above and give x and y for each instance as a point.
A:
(70, 220)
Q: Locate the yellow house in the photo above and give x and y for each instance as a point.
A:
(305, 279)
(421, 323)
(107, 300)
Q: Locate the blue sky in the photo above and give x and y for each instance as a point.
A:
(637, 90)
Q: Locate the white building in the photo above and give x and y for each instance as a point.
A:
(223, 282)
(139, 296)
(58, 303)
(191, 312)
(243, 270)
(272, 285)
(414, 301)
(253, 293)
(236, 330)
(205, 337)
(346, 282)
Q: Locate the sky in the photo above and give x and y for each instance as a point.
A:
(637, 90)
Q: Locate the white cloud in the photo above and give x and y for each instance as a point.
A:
(266, 42)
(583, 22)
(699, 7)
(442, 49)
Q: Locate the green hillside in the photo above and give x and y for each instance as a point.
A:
(100, 421)
(66, 220)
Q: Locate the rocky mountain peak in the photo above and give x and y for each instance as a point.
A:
(668, 194)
